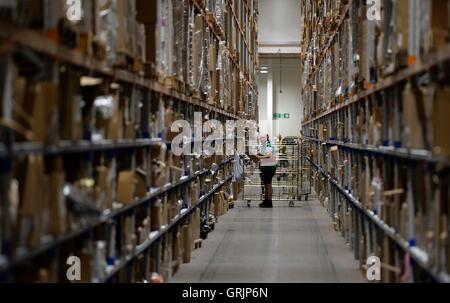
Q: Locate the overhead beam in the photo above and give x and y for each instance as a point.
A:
(279, 48)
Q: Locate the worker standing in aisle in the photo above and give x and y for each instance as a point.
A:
(268, 163)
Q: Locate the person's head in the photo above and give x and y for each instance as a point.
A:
(264, 139)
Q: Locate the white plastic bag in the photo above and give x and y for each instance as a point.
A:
(238, 169)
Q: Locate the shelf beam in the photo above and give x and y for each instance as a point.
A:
(402, 153)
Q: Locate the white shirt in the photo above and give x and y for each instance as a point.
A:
(266, 150)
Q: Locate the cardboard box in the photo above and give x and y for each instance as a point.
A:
(150, 44)
(236, 190)
(32, 203)
(322, 133)
(70, 116)
(218, 205)
(36, 109)
(115, 129)
(165, 211)
(104, 187)
(195, 192)
(57, 206)
(122, 29)
(438, 34)
(126, 187)
(225, 204)
(187, 243)
(176, 253)
(156, 215)
(440, 121)
(195, 223)
(141, 181)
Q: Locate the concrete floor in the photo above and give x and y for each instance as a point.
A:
(286, 245)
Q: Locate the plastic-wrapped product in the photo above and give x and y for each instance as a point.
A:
(185, 44)
(132, 25)
(165, 38)
(205, 78)
(219, 12)
(106, 28)
(221, 64)
(209, 6)
(140, 41)
(104, 110)
(197, 51)
(179, 43)
(136, 102)
(190, 46)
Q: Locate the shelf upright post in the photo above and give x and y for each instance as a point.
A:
(397, 117)
(348, 171)
(5, 220)
(370, 239)
(346, 223)
(6, 94)
(349, 121)
(365, 138)
(430, 206)
(131, 273)
(375, 236)
(158, 257)
(366, 180)
(169, 255)
(385, 127)
(145, 114)
(357, 234)
(411, 204)
(367, 239)
(331, 195)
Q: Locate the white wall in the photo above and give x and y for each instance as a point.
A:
(279, 22)
(263, 103)
(279, 31)
(287, 97)
(286, 101)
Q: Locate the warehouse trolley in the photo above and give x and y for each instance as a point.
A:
(288, 182)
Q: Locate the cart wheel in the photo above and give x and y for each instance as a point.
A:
(291, 204)
(249, 203)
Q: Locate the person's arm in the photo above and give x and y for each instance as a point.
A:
(264, 157)
(268, 156)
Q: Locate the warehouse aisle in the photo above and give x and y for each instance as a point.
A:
(281, 245)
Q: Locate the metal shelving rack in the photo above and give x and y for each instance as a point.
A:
(419, 256)
(245, 60)
(343, 160)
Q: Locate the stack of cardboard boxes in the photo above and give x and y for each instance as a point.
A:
(347, 54)
(92, 132)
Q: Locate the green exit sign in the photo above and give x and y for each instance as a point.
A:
(281, 116)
